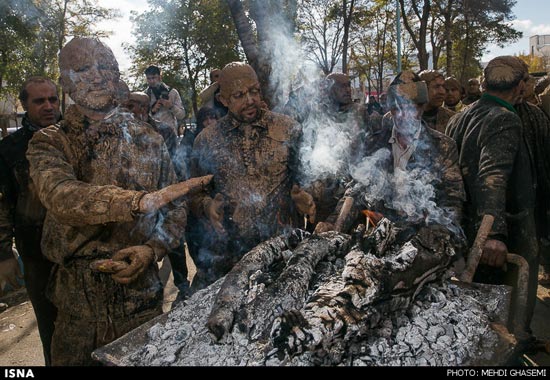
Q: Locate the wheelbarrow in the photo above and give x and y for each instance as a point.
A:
(511, 324)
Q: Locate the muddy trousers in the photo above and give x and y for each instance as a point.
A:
(74, 338)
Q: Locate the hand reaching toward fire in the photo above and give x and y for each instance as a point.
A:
(304, 202)
(214, 213)
(151, 202)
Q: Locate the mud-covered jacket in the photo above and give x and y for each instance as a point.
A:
(254, 166)
(494, 162)
(438, 120)
(90, 177)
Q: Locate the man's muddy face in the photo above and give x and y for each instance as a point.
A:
(245, 99)
(42, 104)
(340, 91)
(436, 92)
(452, 96)
(406, 117)
(90, 75)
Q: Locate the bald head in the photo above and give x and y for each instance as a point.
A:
(240, 91)
(234, 76)
(504, 73)
(89, 73)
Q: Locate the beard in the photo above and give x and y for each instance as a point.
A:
(95, 100)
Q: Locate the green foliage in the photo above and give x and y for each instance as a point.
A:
(186, 38)
(33, 31)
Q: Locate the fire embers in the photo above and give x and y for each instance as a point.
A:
(353, 309)
(382, 273)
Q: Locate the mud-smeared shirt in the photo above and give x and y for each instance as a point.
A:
(89, 175)
(254, 166)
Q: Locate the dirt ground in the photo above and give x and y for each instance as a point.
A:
(20, 344)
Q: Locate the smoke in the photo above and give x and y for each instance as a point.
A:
(410, 193)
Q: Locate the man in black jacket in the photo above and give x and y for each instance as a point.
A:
(21, 213)
(494, 161)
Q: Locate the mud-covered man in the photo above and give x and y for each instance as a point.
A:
(252, 153)
(494, 161)
(404, 151)
(97, 175)
(435, 115)
(404, 207)
(21, 213)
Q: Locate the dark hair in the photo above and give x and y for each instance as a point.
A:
(202, 114)
(152, 70)
(24, 94)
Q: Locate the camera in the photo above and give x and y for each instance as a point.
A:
(164, 95)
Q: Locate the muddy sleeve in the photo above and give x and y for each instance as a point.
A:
(498, 144)
(172, 218)
(69, 200)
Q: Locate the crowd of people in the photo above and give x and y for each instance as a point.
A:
(90, 184)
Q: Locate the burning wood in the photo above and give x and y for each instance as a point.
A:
(371, 218)
(310, 300)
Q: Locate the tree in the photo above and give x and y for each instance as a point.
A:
(33, 32)
(374, 49)
(186, 38)
(321, 33)
(266, 45)
(415, 20)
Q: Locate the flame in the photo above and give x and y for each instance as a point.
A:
(373, 217)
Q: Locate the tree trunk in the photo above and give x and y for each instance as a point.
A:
(448, 40)
(250, 46)
(347, 23)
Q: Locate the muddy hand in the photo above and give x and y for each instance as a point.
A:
(152, 202)
(494, 253)
(214, 212)
(139, 256)
(108, 265)
(304, 202)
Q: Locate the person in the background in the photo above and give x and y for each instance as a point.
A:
(494, 161)
(97, 175)
(374, 106)
(473, 91)
(21, 212)
(435, 115)
(210, 95)
(453, 95)
(166, 106)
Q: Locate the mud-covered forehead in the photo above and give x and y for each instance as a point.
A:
(235, 76)
(339, 78)
(82, 52)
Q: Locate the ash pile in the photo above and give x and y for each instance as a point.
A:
(381, 298)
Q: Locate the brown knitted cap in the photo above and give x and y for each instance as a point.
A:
(504, 73)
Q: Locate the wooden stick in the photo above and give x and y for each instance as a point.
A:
(344, 213)
(477, 249)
